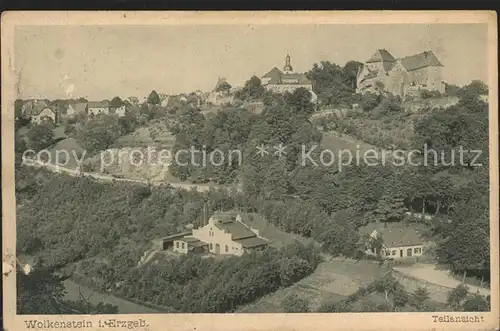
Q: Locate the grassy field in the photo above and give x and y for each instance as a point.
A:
(335, 141)
(155, 134)
(71, 146)
(332, 280)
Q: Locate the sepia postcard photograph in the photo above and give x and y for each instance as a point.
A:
(250, 170)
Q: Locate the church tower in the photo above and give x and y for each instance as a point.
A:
(288, 67)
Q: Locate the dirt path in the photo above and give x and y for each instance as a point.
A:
(428, 273)
(109, 178)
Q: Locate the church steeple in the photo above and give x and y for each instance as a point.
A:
(288, 66)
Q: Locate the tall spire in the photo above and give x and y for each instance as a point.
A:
(288, 66)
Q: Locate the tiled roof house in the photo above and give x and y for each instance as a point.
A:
(399, 239)
(225, 234)
(405, 76)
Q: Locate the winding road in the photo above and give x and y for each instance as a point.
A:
(108, 178)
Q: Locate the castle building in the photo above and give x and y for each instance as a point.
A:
(286, 80)
(410, 75)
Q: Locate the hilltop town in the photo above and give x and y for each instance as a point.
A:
(267, 234)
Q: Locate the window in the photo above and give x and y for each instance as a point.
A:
(226, 248)
(211, 246)
(182, 245)
(393, 252)
(177, 244)
(417, 250)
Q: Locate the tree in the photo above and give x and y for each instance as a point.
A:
(477, 87)
(294, 304)
(39, 292)
(299, 102)
(457, 296)
(476, 302)
(116, 102)
(369, 101)
(99, 134)
(18, 108)
(252, 90)
(133, 100)
(223, 87)
(350, 73)
(40, 136)
(390, 287)
(333, 84)
(154, 98)
(390, 209)
(419, 298)
(338, 236)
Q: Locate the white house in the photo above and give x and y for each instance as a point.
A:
(75, 108)
(120, 111)
(98, 107)
(225, 234)
(399, 240)
(42, 113)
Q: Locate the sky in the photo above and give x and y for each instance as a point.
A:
(100, 62)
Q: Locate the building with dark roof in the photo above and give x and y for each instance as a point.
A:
(286, 80)
(225, 234)
(410, 75)
(98, 107)
(399, 240)
(42, 113)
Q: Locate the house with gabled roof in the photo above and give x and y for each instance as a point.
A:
(76, 108)
(98, 107)
(399, 240)
(287, 80)
(225, 234)
(42, 113)
(410, 75)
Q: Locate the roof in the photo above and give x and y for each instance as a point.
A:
(39, 107)
(396, 234)
(301, 78)
(371, 74)
(277, 77)
(98, 104)
(237, 229)
(174, 236)
(388, 65)
(79, 106)
(252, 242)
(225, 216)
(27, 106)
(189, 239)
(381, 55)
(193, 242)
(421, 60)
(274, 72)
(401, 237)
